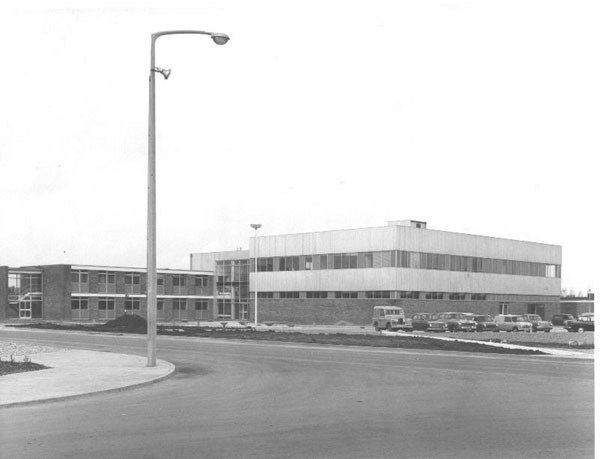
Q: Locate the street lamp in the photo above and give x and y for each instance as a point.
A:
(256, 226)
(219, 39)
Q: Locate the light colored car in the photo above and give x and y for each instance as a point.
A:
(512, 323)
(390, 318)
(538, 323)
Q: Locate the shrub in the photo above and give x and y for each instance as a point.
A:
(128, 323)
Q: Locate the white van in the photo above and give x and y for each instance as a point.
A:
(390, 318)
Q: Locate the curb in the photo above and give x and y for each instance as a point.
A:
(158, 379)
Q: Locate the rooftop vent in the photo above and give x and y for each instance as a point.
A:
(411, 223)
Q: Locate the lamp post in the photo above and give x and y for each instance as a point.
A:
(256, 226)
(219, 39)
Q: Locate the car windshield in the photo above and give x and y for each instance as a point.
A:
(483, 319)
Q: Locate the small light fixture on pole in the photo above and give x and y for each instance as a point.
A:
(256, 226)
(219, 39)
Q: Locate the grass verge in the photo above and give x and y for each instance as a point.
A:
(339, 339)
(10, 367)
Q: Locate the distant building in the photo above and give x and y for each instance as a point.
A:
(572, 304)
(338, 276)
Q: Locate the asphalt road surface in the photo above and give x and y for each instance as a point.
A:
(265, 400)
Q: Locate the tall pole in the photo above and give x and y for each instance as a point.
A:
(151, 249)
(151, 287)
(256, 226)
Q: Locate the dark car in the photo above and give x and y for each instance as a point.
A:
(427, 321)
(420, 320)
(584, 323)
(458, 321)
(559, 319)
(486, 323)
(538, 323)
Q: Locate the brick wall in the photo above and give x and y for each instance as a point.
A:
(359, 311)
(3, 292)
(56, 285)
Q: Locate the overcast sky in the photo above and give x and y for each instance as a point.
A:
(475, 116)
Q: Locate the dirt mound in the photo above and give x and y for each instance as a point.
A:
(128, 323)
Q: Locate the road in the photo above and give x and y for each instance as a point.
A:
(263, 400)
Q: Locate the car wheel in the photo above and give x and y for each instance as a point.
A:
(580, 330)
(376, 325)
(547, 331)
(515, 329)
(388, 327)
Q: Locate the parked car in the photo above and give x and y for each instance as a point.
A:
(559, 319)
(458, 321)
(485, 323)
(584, 323)
(538, 323)
(512, 323)
(390, 318)
(427, 321)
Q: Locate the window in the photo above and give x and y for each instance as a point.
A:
(315, 295)
(265, 264)
(265, 295)
(79, 277)
(160, 304)
(106, 278)
(132, 304)
(550, 270)
(308, 263)
(457, 296)
(106, 304)
(289, 295)
(179, 304)
(79, 303)
(368, 260)
(289, 263)
(409, 295)
(179, 281)
(160, 281)
(132, 278)
(478, 296)
(201, 281)
(403, 259)
(346, 295)
(201, 305)
(434, 296)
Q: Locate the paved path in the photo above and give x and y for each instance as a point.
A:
(74, 373)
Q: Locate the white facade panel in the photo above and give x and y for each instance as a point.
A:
(405, 238)
(419, 240)
(405, 279)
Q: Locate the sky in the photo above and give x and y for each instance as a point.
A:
(475, 116)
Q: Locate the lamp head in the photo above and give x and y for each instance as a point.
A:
(219, 38)
(164, 72)
(255, 225)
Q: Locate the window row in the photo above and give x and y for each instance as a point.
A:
(107, 277)
(405, 259)
(134, 304)
(373, 294)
